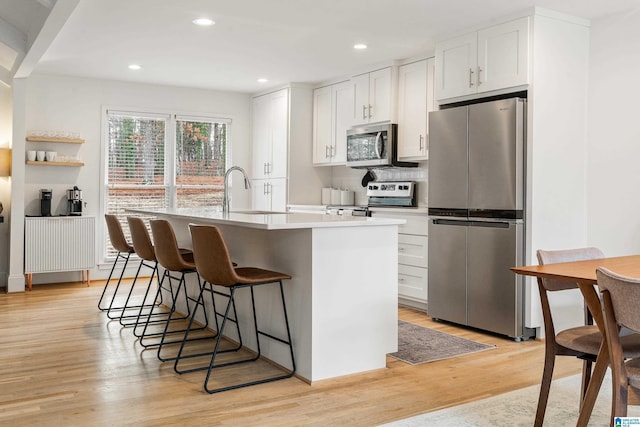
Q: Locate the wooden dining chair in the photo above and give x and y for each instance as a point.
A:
(620, 296)
(582, 341)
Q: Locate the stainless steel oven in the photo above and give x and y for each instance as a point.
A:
(374, 146)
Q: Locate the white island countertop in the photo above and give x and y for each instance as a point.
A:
(269, 220)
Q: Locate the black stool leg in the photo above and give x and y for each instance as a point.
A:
(288, 342)
(144, 304)
(180, 356)
(191, 314)
(146, 335)
(106, 285)
(123, 308)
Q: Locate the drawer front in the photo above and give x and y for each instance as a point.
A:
(412, 282)
(412, 250)
(416, 224)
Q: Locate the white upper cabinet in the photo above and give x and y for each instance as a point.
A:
(270, 134)
(332, 106)
(322, 141)
(372, 96)
(456, 63)
(415, 101)
(490, 59)
(503, 55)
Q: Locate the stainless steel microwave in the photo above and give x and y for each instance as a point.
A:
(374, 146)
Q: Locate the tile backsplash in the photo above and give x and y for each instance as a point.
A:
(351, 179)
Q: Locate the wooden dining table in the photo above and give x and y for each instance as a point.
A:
(584, 274)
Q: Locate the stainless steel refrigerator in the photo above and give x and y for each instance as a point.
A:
(476, 209)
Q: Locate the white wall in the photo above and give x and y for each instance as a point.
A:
(75, 104)
(614, 135)
(5, 183)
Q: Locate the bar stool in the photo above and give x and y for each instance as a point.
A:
(144, 249)
(120, 244)
(214, 265)
(169, 256)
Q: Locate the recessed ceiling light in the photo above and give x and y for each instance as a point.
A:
(134, 67)
(262, 80)
(203, 22)
(359, 46)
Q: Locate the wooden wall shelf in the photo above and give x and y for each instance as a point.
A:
(55, 139)
(36, 163)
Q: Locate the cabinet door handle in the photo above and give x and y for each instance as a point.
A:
(364, 112)
(264, 168)
(268, 168)
(421, 141)
(332, 151)
(326, 151)
(479, 79)
(370, 113)
(470, 77)
(268, 188)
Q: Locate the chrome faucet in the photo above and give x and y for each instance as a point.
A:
(247, 184)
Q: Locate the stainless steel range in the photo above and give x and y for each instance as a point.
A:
(392, 193)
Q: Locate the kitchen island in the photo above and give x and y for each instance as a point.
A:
(343, 295)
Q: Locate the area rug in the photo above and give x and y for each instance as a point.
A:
(417, 344)
(518, 408)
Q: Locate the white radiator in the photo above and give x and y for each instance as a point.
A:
(59, 244)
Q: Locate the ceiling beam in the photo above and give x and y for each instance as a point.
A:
(15, 40)
(47, 3)
(5, 77)
(59, 15)
(13, 37)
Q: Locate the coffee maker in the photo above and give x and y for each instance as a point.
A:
(45, 202)
(74, 201)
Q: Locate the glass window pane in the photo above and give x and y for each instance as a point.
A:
(190, 197)
(200, 152)
(119, 199)
(136, 150)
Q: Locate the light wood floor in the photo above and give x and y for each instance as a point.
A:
(63, 363)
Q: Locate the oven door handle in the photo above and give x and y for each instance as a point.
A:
(379, 142)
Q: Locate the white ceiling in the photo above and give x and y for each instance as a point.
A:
(283, 40)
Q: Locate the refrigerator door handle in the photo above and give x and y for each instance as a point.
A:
(454, 222)
(489, 224)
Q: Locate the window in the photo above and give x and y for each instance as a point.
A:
(200, 165)
(149, 165)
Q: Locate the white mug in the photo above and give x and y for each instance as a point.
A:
(31, 155)
(50, 156)
(40, 156)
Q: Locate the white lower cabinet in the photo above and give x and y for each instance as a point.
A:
(269, 194)
(412, 257)
(412, 282)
